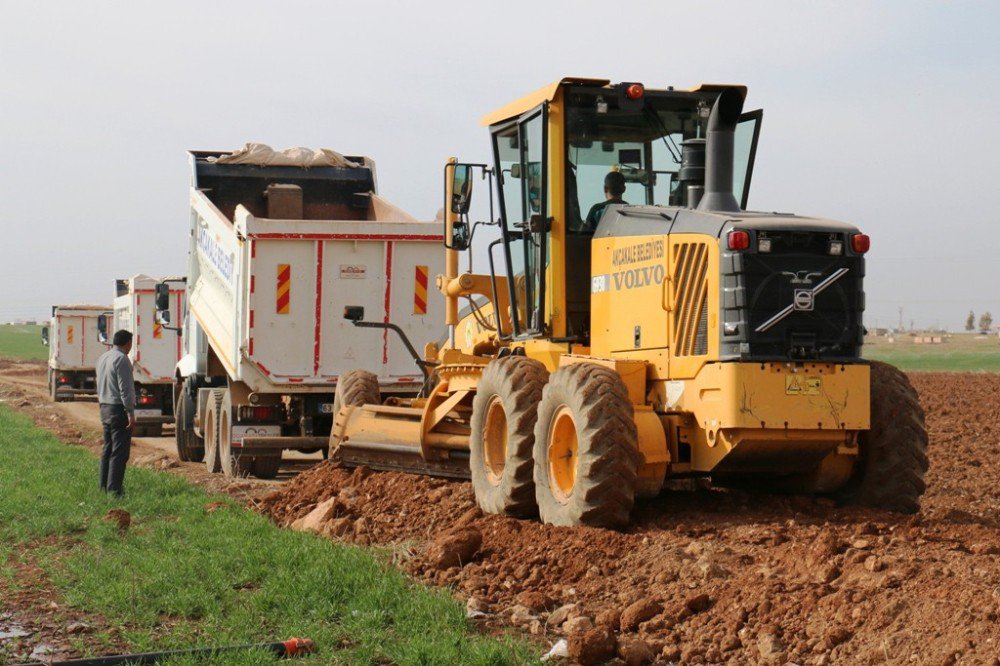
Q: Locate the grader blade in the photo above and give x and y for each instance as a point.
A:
(389, 438)
(399, 458)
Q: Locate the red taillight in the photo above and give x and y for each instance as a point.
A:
(260, 412)
(63, 379)
(860, 243)
(739, 240)
(146, 399)
(635, 91)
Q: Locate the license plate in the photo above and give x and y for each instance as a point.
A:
(146, 413)
(799, 385)
(326, 408)
(238, 432)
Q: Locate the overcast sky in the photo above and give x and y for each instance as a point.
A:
(881, 114)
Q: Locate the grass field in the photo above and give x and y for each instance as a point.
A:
(22, 342)
(959, 352)
(185, 576)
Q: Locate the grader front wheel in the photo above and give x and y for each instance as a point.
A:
(503, 435)
(586, 449)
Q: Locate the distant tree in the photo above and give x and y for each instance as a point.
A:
(970, 322)
(985, 321)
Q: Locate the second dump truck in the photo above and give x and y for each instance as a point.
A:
(156, 347)
(280, 243)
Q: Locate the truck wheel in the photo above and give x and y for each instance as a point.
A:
(211, 429)
(356, 388)
(892, 455)
(266, 466)
(53, 387)
(503, 435)
(190, 447)
(235, 463)
(586, 448)
(154, 430)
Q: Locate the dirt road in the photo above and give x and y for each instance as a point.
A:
(23, 384)
(702, 576)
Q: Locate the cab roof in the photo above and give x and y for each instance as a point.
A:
(548, 93)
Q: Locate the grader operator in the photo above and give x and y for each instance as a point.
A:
(682, 336)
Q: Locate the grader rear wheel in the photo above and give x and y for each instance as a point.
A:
(503, 435)
(892, 457)
(211, 429)
(586, 448)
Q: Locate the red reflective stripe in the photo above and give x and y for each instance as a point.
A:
(360, 237)
(319, 306)
(388, 292)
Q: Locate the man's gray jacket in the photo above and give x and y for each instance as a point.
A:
(115, 382)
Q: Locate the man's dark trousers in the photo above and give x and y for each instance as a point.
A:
(117, 444)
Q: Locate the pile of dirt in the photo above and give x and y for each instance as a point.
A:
(717, 576)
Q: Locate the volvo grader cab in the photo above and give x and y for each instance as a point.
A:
(681, 336)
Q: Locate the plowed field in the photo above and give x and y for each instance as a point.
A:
(712, 576)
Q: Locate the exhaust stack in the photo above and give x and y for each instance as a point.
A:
(719, 152)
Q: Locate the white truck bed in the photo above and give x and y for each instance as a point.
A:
(73, 342)
(155, 348)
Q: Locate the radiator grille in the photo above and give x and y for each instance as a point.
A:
(690, 298)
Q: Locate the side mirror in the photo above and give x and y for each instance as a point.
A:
(163, 296)
(354, 313)
(461, 189)
(45, 335)
(102, 328)
(163, 316)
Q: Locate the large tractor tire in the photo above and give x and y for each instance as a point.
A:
(892, 455)
(586, 448)
(235, 463)
(210, 427)
(503, 435)
(356, 388)
(190, 447)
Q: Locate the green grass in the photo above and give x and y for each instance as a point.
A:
(959, 352)
(22, 342)
(183, 576)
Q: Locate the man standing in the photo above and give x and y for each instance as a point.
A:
(116, 393)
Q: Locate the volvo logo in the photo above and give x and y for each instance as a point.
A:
(801, 277)
(803, 300)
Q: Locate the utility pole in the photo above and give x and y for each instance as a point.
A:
(900, 317)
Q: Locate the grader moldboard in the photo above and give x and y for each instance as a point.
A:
(680, 336)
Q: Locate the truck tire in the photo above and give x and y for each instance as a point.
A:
(586, 448)
(356, 388)
(154, 430)
(266, 466)
(54, 387)
(190, 447)
(502, 442)
(211, 429)
(892, 455)
(235, 464)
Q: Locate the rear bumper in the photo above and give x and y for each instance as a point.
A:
(279, 443)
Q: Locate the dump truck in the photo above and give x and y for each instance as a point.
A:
(279, 244)
(156, 347)
(639, 324)
(74, 347)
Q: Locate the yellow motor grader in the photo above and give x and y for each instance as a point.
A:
(639, 324)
